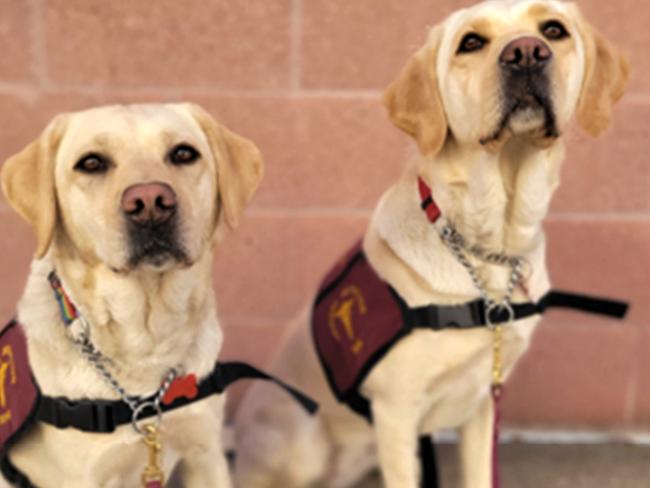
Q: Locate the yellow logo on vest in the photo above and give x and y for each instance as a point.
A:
(342, 310)
(7, 373)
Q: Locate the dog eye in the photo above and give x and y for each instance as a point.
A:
(471, 42)
(92, 163)
(183, 154)
(554, 30)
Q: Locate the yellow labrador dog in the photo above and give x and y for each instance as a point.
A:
(127, 203)
(486, 99)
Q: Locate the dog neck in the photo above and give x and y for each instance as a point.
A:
(145, 322)
(495, 200)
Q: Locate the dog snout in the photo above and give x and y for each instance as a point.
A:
(149, 202)
(525, 53)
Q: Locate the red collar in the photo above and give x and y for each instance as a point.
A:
(428, 204)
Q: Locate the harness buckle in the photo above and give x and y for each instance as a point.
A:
(104, 417)
(457, 317)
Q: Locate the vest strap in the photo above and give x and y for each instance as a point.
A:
(13, 475)
(473, 314)
(104, 416)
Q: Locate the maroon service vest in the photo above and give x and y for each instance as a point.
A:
(356, 319)
(18, 391)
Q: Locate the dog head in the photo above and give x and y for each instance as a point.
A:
(133, 186)
(507, 68)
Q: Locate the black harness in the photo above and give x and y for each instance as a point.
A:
(104, 416)
(378, 317)
(98, 416)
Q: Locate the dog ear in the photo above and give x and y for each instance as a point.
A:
(606, 74)
(239, 166)
(413, 99)
(28, 184)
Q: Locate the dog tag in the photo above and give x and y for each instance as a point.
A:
(184, 386)
(152, 476)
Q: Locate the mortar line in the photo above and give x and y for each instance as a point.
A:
(367, 211)
(296, 44)
(556, 436)
(254, 321)
(599, 216)
(629, 408)
(99, 89)
(20, 90)
(638, 97)
(38, 45)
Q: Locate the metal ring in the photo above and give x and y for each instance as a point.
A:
(137, 411)
(498, 306)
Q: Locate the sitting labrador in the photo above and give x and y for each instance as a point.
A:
(127, 203)
(486, 99)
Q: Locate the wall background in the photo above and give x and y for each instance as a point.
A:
(303, 78)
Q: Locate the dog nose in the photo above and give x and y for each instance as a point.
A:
(149, 202)
(525, 53)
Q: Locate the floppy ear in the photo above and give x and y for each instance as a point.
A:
(239, 166)
(413, 100)
(28, 184)
(606, 74)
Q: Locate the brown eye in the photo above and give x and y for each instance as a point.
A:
(471, 42)
(183, 154)
(92, 163)
(554, 30)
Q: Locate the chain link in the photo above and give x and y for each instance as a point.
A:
(460, 249)
(99, 362)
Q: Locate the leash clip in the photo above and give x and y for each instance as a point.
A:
(152, 475)
(496, 327)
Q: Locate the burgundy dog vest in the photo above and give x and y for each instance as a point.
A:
(357, 318)
(18, 391)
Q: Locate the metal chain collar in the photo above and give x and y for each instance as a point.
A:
(460, 249)
(99, 362)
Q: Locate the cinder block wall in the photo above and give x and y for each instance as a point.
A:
(303, 79)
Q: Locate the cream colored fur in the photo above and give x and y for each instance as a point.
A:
(147, 318)
(497, 195)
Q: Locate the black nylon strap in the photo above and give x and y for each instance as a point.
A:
(428, 464)
(102, 416)
(13, 475)
(472, 314)
(585, 303)
(233, 371)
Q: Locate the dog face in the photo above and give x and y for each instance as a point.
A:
(507, 68)
(133, 186)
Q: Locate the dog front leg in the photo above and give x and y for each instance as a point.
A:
(397, 440)
(476, 447)
(205, 469)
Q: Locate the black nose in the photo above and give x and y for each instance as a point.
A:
(525, 53)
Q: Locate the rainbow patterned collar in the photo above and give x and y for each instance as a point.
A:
(68, 311)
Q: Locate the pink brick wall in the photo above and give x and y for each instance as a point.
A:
(303, 78)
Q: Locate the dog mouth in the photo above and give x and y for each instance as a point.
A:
(526, 109)
(155, 244)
